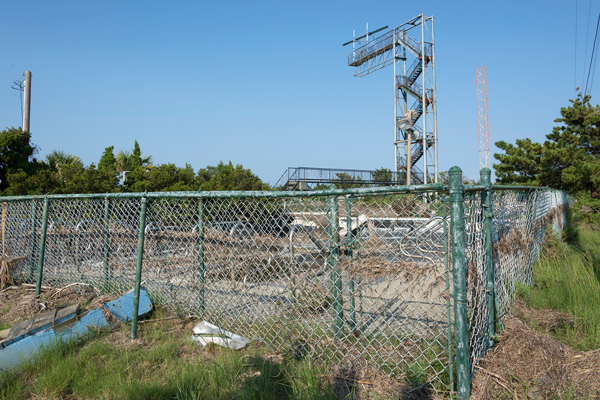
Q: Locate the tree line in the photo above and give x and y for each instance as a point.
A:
(21, 173)
(569, 159)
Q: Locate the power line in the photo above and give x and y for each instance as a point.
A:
(18, 85)
(575, 74)
(587, 35)
(593, 73)
(592, 58)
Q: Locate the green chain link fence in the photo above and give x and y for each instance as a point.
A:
(411, 280)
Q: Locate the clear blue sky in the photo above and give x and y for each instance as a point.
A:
(266, 84)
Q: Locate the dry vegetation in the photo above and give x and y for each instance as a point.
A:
(528, 364)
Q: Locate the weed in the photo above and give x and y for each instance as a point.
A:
(567, 277)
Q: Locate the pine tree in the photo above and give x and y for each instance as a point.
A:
(108, 161)
(520, 163)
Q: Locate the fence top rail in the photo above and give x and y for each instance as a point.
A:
(436, 187)
(479, 188)
(474, 188)
(516, 187)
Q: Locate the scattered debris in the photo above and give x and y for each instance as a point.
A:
(74, 284)
(28, 338)
(6, 263)
(39, 323)
(348, 379)
(205, 333)
(158, 319)
(356, 223)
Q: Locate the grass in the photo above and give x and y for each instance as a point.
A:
(163, 364)
(567, 279)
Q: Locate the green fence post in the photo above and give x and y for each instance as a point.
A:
(33, 217)
(201, 305)
(138, 270)
(461, 329)
(448, 303)
(349, 245)
(105, 232)
(334, 264)
(486, 200)
(38, 286)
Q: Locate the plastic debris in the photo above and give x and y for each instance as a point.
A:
(64, 326)
(205, 333)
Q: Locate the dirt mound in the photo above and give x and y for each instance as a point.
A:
(527, 364)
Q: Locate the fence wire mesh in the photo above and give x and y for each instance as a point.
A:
(476, 271)
(520, 218)
(355, 278)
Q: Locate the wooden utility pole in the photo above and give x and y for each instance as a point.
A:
(27, 101)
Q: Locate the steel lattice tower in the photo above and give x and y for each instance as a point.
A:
(483, 132)
(410, 49)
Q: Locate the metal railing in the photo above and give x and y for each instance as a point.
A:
(385, 43)
(411, 42)
(413, 87)
(336, 176)
(412, 280)
(415, 70)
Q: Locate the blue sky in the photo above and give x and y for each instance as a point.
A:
(266, 84)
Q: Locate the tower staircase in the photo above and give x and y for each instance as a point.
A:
(414, 70)
(409, 85)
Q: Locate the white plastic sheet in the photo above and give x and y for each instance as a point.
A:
(205, 333)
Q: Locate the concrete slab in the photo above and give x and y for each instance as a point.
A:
(43, 321)
(19, 330)
(64, 314)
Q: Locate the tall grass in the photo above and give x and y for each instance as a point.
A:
(165, 365)
(567, 278)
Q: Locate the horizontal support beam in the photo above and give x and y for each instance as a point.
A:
(435, 187)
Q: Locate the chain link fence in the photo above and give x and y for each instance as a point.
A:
(521, 219)
(362, 278)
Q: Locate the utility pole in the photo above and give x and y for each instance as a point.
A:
(482, 118)
(27, 101)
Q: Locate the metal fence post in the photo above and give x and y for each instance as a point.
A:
(447, 289)
(4, 207)
(38, 286)
(201, 305)
(349, 245)
(105, 232)
(461, 330)
(138, 270)
(33, 217)
(486, 200)
(334, 264)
